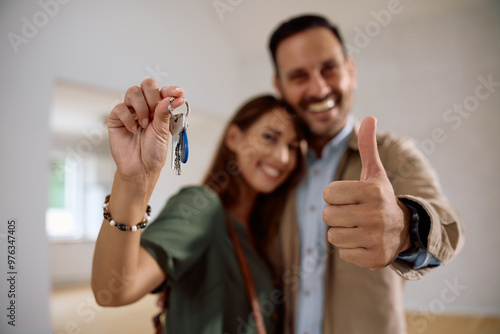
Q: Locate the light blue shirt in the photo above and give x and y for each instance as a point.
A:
(313, 231)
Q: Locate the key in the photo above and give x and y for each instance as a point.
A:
(180, 150)
(184, 147)
(180, 147)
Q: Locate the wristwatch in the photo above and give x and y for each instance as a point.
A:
(415, 226)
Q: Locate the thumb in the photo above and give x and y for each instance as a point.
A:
(161, 118)
(367, 144)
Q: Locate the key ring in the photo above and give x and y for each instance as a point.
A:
(170, 108)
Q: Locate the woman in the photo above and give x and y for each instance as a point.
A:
(188, 250)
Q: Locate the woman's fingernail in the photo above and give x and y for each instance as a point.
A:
(178, 89)
(134, 129)
(145, 123)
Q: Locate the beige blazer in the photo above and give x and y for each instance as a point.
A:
(359, 300)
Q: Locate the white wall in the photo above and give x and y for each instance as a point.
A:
(417, 67)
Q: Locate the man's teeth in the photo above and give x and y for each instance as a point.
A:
(271, 171)
(322, 106)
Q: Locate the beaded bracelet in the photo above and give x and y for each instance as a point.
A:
(123, 227)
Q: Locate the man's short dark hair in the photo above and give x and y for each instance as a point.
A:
(298, 24)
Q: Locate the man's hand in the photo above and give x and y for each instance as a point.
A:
(368, 224)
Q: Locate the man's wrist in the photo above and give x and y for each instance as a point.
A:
(406, 242)
(415, 237)
(417, 256)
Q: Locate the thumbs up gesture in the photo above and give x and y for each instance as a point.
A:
(368, 224)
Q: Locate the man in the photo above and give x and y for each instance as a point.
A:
(386, 217)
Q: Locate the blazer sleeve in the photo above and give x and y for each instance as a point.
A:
(413, 178)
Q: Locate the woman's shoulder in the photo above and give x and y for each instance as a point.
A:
(197, 205)
(202, 192)
(184, 230)
(197, 198)
(190, 216)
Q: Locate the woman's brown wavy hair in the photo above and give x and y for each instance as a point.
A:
(224, 177)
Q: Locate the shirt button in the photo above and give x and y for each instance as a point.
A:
(312, 208)
(315, 171)
(309, 250)
(307, 293)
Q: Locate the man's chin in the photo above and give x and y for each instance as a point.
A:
(318, 129)
(328, 127)
(322, 132)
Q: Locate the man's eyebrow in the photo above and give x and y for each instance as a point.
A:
(294, 72)
(330, 62)
(326, 62)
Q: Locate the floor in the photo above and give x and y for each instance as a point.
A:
(74, 310)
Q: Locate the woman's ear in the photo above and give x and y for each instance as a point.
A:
(233, 138)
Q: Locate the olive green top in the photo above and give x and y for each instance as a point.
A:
(190, 242)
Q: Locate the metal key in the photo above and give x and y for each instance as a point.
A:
(180, 148)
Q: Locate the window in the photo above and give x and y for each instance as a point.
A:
(64, 212)
(81, 166)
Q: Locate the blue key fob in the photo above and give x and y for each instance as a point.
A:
(183, 141)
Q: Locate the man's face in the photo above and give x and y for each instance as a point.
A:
(316, 79)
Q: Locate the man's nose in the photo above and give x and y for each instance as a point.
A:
(318, 87)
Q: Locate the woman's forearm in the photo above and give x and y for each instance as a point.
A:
(116, 255)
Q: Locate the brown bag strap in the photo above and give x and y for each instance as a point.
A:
(157, 322)
(249, 285)
(157, 319)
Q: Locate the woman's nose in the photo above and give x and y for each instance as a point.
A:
(282, 153)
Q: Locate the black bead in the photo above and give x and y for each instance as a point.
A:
(122, 227)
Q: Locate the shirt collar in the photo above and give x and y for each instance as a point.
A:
(341, 140)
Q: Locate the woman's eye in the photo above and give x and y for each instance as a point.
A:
(270, 137)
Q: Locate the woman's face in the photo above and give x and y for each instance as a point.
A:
(267, 151)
